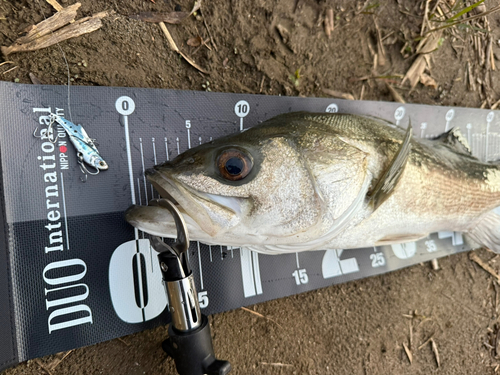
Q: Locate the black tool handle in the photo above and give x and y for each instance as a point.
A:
(193, 352)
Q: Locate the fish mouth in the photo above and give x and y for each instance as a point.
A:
(206, 215)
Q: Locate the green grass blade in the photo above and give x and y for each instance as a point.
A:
(466, 10)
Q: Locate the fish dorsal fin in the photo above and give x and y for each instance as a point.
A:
(391, 176)
(454, 139)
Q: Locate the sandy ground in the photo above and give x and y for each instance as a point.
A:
(355, 328)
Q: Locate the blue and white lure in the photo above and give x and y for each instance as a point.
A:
(86, 149)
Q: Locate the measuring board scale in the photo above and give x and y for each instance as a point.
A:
(79, 274)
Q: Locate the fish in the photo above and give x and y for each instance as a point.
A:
(313, 181)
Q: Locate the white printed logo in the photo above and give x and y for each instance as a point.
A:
(136, 283)
(404, 250)
(333, 266)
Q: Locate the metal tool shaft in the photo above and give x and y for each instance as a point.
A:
(184, 305)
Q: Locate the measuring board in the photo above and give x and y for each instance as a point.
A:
(75, 273)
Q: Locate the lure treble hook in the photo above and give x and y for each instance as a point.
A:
(84, 168)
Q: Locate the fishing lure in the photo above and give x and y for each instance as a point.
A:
(86, 149)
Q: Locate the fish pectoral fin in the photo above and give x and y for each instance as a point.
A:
(400, 238)
(391, 176)
(486, 233)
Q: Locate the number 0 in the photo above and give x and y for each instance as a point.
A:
(124, 105)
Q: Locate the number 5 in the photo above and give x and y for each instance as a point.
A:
(203, 299)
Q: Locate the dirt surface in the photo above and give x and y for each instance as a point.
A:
(355, 328)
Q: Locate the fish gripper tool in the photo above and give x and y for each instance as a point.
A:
(190, 341)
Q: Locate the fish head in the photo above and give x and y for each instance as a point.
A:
(98, 163)
(247, 189)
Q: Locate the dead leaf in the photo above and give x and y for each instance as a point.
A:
(428, 81)
(195, 41)
(427, 45)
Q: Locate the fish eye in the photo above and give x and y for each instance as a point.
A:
(234, 165)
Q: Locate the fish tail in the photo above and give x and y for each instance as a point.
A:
(486, 233)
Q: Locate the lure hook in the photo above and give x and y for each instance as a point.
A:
(84, 168)
(50, 129)
(34, 133)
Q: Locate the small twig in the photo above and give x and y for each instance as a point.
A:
(338, 94)
(387, 36)
(47, 26)
(210, 34)
(436, 353)
(408, 353)
(82, 26)
(497, 343)
(329, 15)
(7, 62)
(475, 258)
(278, 364)
(176, 49)
(62, 359)
(169, 37)
(435, 7)
(495, 105)
(261, 316)
(395, 95)
(435, 264)
(410, 327)
(426, 17)
(488, 346)
(122, 340)
(380, 47)
(491, 56)
(425, 343)
(10, 70)
(58, 7)
(328, 28)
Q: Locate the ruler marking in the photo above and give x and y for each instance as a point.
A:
(143, 172)
(166, 147)
(247, 273)
(256, 270)
(199, 263)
